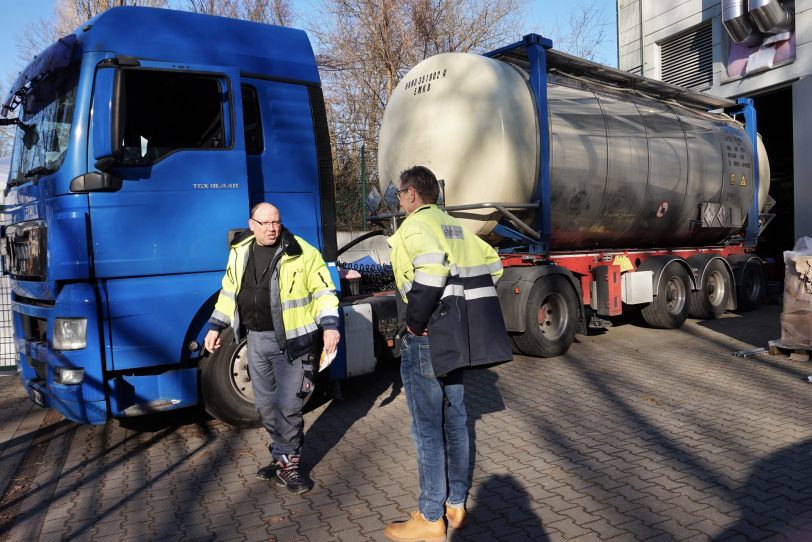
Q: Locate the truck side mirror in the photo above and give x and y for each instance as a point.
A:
(106, 117)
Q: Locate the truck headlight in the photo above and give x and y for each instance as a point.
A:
(64, 375)
(70, 333)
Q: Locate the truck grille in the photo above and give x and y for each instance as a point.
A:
(26, 249)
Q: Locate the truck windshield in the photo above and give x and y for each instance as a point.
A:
(46, 111)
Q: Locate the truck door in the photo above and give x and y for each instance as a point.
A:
(183, 171)
(159, 241)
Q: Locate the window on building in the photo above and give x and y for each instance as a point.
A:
(687, 59)
(165, 111)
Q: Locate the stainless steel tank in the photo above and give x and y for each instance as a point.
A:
(626, 170)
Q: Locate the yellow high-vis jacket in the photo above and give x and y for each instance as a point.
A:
(447, 277)
(306, 292)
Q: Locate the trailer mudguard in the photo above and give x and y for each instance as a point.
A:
(744, 265)
(657, 265)
(514, 288)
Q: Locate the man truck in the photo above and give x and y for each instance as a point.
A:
(143, 139)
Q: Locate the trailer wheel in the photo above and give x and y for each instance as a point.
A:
(752, 287)
(710, 301)
(226, 384)
(551, 315)
(670, 307)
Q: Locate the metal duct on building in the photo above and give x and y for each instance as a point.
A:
(738, 24)
(770, 16)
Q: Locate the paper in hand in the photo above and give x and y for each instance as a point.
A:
(326, 359)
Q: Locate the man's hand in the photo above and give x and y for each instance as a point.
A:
(331, 338)
(212, 341)
(423, 333)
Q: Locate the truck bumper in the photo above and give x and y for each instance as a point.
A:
(84, 402)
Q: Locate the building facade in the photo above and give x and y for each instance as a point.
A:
(759, 49)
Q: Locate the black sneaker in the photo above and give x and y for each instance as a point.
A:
(287, 474)
(268, 472)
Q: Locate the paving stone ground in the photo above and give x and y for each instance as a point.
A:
(635, 434)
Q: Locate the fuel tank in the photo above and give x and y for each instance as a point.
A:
(626, 170)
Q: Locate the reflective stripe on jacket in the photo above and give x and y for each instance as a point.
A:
(447, 276)
(306, 292)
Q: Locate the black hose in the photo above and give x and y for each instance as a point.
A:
(357, 240)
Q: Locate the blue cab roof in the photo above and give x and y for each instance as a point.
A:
(182, 37)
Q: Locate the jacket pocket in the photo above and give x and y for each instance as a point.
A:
(448, 336)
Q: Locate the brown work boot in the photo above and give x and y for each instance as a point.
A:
(455, 515)
(416, 528)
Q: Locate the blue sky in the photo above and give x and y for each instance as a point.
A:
(543, 17)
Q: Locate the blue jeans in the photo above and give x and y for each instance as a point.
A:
(439, 428)
(275, 382)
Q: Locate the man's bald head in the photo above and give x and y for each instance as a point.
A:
(266, 223)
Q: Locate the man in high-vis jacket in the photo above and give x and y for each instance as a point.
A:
(446, 275)
(277, 287)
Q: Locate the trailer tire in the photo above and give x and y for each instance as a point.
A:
(710, 301)
(669, 309)
(227, 395)
(551, 315)
(752, 288)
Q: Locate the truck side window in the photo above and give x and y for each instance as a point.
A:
(252, 120)
(165, 111)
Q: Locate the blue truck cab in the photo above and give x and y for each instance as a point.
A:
(143, 140)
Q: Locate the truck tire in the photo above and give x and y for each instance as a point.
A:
(752, 288)
(670, 307)
(225, 383)
(711, 299)
(551, 315)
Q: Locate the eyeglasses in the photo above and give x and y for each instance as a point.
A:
(269, 224)
(399, 192)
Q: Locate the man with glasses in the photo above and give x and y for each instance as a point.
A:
(279, 290)
(446, 277)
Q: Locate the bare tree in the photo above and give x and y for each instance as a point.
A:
(585, 33)
(276, 12)
(371, 44)
(71, 13)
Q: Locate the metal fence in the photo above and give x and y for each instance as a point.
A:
(7, 352)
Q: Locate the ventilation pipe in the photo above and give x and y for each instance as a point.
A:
(770, 16)
(738, 24)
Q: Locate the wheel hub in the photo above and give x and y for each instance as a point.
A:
(675, 295)
(552, 317)
(715, 289)
(240, 377)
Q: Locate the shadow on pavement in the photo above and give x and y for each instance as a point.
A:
(776, 498)
(357, 397)
(742, 326)
(502, 512)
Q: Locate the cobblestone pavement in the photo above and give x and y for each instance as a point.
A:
(637, 434)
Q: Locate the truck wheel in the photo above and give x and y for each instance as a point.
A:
(670, 307)
(752, 288)
(551, 315)
(711, 300)
(226, 384)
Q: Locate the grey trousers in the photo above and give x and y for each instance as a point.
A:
(276, 382)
